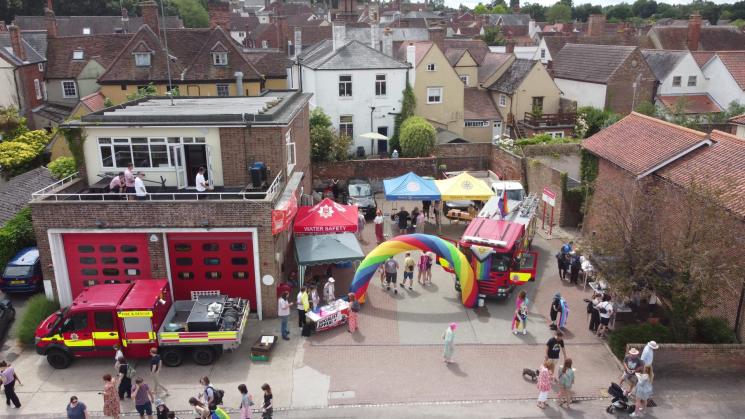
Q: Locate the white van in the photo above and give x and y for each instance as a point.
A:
(515, 190)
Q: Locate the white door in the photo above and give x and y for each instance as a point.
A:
(178, 159)
(208, 153)
(497, 129)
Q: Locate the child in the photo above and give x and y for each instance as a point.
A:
(643, 391)
(545, 378)
(566, 380)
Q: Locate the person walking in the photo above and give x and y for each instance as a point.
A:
(648, 356)
(283, 311)
(566, 380)
(605, 311)
(425, 208)
(437, 210)
(574, 267)
(391, 272)
(143, 398)
(202, 411)
(557, 311)
(360, 224)
(267, 409)
(593, 311)
(156, 366)
(9, 379)
(555, 347)
(414, 218)
(328, 291)
(545, 379)
(379, 221)
(449, 339)
(125, 378)
(420, 223)
(76, 409)
(402, 219)
(632, 364)
(302, 298)
(140, 190)
(111, 406)
(208, 395)
(129, 181)
(643, 391)
(117, 354)
(246, 402)
(354, 308)
(520, 318)
(563, 265)
(409, 265)
(423, 266)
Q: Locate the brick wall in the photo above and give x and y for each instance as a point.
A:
(507, 165)
(157, 254)
(29, 73)
(541, 176)
(374, 169)
(463, 149)
(621, 96)
(684, 358)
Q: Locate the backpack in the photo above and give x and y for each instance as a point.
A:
(130, 371)
(218, 413)
(219, 394)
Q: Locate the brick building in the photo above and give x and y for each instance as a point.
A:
(223, 239)
(21, 72)
(643, 151)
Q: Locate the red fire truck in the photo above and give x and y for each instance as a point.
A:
(140, 316)
(502, 246)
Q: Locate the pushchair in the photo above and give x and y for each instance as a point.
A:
(619, 401)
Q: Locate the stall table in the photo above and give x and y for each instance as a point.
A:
(330, 315)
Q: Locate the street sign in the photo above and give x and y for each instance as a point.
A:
(549, 197)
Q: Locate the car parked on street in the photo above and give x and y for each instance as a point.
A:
(7, 315)
(23, 272)
(360, 193)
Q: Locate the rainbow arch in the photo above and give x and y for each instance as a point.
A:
(424, 242)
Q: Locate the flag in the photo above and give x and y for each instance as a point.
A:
(503, 209)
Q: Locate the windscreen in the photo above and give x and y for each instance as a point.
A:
(18, 271)
(359, 190)
(500, 262)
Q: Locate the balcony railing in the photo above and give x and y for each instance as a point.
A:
(549, 120)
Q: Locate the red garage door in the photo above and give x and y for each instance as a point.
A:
(212, 261)
(105, 259)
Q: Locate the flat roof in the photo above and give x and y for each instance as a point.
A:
(107, 295)
(143, 294)
(271, 108)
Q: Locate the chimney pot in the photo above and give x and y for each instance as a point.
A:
(50, 21)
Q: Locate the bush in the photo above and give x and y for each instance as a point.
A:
(38, 139)
(37, 309)
(62, 167)
(713, 330)
(544, 139)
(17, 233)
(637, 333)
(15, 157)
(417, 137)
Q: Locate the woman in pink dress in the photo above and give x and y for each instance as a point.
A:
(521, 314)
(545, 378)
(379, 220)
(246, 402)
(111, 406)
(354, 307)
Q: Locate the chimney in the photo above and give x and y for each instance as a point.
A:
(219, 13)
(149, 12)
(388, 42)
(595, 25)
(338, 34)
(510, 47)
(437, 36)
(267, 3)
(50, 21)
(280, 22)
(298, 41)
(411, 54)
(238, 83)
(374, 41)
(15, 42)
(694, 31)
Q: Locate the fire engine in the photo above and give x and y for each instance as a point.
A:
(499, 247)
(140, 316)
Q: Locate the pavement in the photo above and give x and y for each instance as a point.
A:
(392, 367)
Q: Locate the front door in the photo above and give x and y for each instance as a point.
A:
(179, 162)
(525, 268)
(497, 129)
(196, 157)
(105, 333)
(383, 144)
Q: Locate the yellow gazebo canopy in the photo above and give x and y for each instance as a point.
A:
(463, 187)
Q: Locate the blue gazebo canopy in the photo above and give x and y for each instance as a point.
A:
(410, 187)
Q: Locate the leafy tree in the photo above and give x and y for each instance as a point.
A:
(418, 137)
(583, 11)
(438, 5)
(647, 108)
(15, 157)
(596, 119)
(340, 147)
(408, 105)
(535, 10)
(620, 12)
(493, 36)
(193, 13)
(644, 8)
(500, 9)
(37, 139)
(12, 124)
(569, 3)
(480, 9)
(559, 13)
(513, 4)
(62, 167)
(321, 136)
(319, 118)
(143, 92)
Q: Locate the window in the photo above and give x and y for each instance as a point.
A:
(346, 125)
(41, 66)
(223, 90)
(464, 79)
(77, 55)
(291, 156)
(345, 86)
(212, 261)
(37, 88)
(89, 272)
(76, 322)
(434, 95)
(239, 261)
(240, 275)
(537, 104)
(380, 85)
(183, 261)
(85, 249)
(543, 53)
(86, 31)
(212, 275)
(691, 81)
(109, 260)
(185, 275)
(502, 100)
(182, 247)
(142, 59)
(143, 152)
(241, 34)
(69, 89)
(238, 247)
(132, 272)
(103, 320)
(556, 134)
(220, 58)
(87, 261)
(476, 124)
(110, 272)
(131, 260)
(264, 44)
(210, 247)
(431, 67)
(107, 248)
(128, 248)
(676, 81)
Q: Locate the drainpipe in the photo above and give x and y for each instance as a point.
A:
(239, 82)
(738, 324)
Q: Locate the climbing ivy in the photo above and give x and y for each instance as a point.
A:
(75, 140)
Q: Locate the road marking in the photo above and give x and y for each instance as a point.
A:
(341, 395)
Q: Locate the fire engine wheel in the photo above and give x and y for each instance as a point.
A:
(59, 359)
(203, 356)
(172, 357)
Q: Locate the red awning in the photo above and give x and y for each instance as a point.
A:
(326, 217)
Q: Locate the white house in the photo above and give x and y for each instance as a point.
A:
(727, 80)
(359, 87)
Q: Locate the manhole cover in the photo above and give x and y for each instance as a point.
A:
(341, 395)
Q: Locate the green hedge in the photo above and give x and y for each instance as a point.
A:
(17, 233)
(62, 167)
(713, 330)
(37, 309)
(637, 333)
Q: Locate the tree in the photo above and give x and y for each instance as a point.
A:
(644, 8)
(647, 108)
(37, 139)
(193, 13)
(62, 167)
(321, 136)
(583, 11)
(535, 10)
(438, 5)
(493, 36)
(408, 104)
(620, 12)
(143, 92)
(15, 157)
(596, 119)
(569, 3)
(559, 13)
(418, 137)
(12, 124)
(340, 147)
(499, 9)
(480, 9)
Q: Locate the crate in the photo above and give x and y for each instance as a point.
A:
(260, 357)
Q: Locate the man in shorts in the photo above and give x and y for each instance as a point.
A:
(391, 271)
(632, 364)
(409, 265)
(555, 347)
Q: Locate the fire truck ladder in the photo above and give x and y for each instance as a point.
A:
(529, 205)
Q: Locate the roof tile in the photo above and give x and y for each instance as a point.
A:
(479, 104)
(591, 63)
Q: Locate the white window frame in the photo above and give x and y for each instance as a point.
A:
(348, 92)
(291, 152)
(381, 85)
(74, 89)
(86, 31)
(543, 53)
(434, 92)
(225, 86)
(347, 126)
(41, 66)
(555, 134)
(502, 100)
(168, 142)
(677, 81)
(220, 58)
(241, 34)
(78, 54)
(431, 67)
(264, 44)
(464, 78)
(693, 79)
(37, 88)
(476, 123)
(143, 57)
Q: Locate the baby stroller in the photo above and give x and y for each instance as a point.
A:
(619, 401)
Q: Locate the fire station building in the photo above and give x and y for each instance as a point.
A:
(255, 152)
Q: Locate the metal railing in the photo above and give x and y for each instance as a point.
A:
(41, 193)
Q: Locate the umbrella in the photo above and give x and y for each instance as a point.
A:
(374, 136)
(326, 217)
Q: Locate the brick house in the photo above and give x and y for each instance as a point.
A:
(222, 240)
(21, 72)
(641, 150)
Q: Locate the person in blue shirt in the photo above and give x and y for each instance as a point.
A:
(567, 248)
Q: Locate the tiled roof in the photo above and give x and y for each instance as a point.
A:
(17, 191)
(702, 57)
(56, 112)
(639, 143)
(270, 64)
(692, 104)
(6, 48)
(243, 23)
(712, 38)
(492, 62)
(662, 62)
(73, 25)
(94, 101)
(556, 43)
(740, 119)
(453, 55)
(591, 63)
(720, 167)
(735, 63)
(101, 48)
(476, 47)
(478, 104)
(514, 76)
(352, 56)
(509, 19)
(421, 49)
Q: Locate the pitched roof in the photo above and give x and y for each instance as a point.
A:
(272, 64)
(554, 44)
(17, 191)
(740, 119)
(239, 22)
(712, 38)
(720, 166)
(640, 144)
(509, 19)
(420, 50)
(662, 62)
(476, 47)
(491, 63)
(511, 79)
(453, 55)
(102, 48)
(692, 104)
(73, 25)
(6, 49)
(478, 104)
(735, 63)
(591, 63)
(94, 101)
(354, 55)
(702, 57)
(201, 66)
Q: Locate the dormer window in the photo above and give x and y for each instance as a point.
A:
(220, 58)
(86, 31)
(77, 55)
(142, 59)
